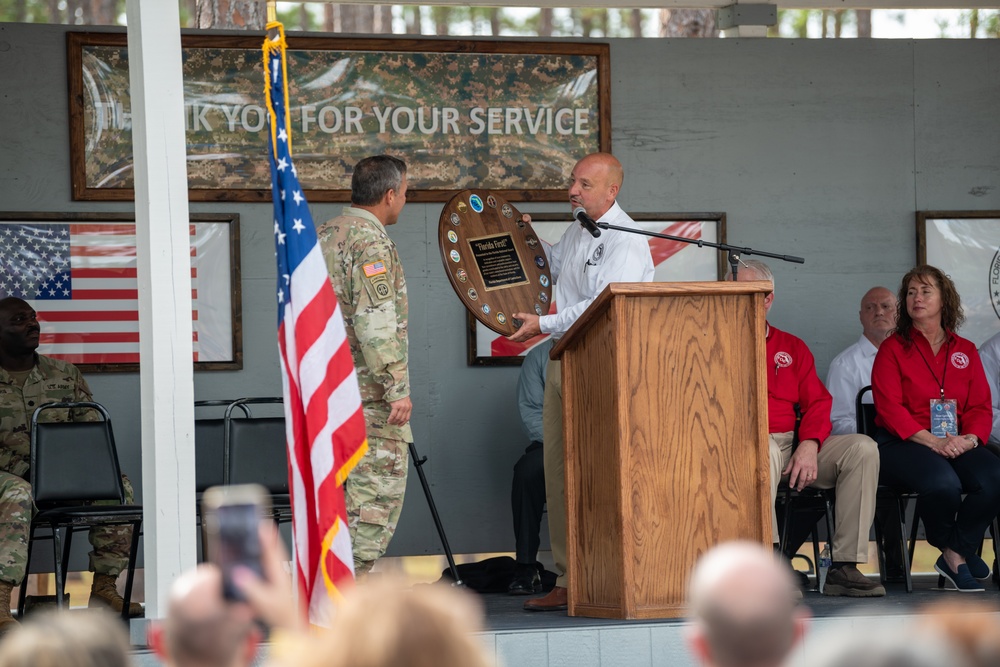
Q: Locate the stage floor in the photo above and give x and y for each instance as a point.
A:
(517, 638)
(506, 613)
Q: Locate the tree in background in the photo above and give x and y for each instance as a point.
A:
(231, 14)
(494, 21)
(688, 23)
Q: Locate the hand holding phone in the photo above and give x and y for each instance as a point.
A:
(232, 517)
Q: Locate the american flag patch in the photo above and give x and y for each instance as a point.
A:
(374, 269)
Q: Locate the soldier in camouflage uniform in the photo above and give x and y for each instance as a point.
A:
(28, 380)
(368, 278)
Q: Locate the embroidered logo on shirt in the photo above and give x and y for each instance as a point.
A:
(374, 269)
(782, 360)
(959, 360)
(598, 253)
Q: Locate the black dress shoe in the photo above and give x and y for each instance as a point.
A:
(526, 580)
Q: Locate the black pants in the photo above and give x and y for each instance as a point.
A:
(527, 498)
(949, 520)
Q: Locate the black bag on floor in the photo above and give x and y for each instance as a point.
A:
(493, 575)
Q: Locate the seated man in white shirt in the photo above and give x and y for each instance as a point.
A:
(852, 369)
(990, 354)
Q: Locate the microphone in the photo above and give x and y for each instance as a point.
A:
(580, 213)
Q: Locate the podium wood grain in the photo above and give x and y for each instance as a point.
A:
(665, 413)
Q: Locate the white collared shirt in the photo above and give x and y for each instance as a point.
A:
(582, 266)
(849, 372)
(990, 355)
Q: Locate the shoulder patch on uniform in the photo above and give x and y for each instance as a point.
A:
(374, 268)
(379, 288)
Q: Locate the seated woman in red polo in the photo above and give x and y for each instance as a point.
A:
(933, 412)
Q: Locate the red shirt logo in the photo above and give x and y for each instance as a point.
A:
(782, 360)
(959, 360)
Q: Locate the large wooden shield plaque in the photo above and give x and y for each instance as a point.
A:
(494, 260)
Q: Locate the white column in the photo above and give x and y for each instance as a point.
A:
(745, 31)
(166, 375)
(750, 19)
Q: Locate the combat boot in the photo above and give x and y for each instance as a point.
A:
(104, 594)
(7, 622)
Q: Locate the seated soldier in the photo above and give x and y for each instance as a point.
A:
(28, 380)
(848, 463)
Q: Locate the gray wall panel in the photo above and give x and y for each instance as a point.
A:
(815, 148)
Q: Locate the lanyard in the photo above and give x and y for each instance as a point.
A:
(944, 374)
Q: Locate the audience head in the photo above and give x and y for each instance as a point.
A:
(894, 646)
(91, 638)
(878, 314)
(952, 315)
(972, 629)
(380, 624)
(201, 628)
(744, 605)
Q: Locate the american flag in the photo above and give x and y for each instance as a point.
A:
(81, 279)
(325, 427)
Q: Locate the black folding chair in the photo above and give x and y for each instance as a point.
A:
(255, 452)
(73, 465)
(897, 500)
(809, 500)
(209, 452)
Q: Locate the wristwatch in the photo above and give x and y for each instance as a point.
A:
(973, 439)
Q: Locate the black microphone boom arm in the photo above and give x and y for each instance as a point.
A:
(733, 252)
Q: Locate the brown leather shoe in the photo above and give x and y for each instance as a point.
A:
(556, 600)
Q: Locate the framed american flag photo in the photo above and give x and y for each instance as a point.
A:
(78, 271)
(966, 246)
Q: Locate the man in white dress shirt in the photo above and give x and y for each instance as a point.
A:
(852, 369)
(581, 266)
(990, 355)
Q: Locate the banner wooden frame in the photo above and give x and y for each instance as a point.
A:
(82, 190)
(968, 251)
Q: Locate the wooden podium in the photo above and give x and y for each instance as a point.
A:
(665, 415)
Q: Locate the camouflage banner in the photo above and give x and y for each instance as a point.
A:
(507, 116)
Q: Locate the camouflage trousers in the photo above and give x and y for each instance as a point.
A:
(374, 493)
(111, 544)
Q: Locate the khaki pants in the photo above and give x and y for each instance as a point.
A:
(555, 467)
(849, 464)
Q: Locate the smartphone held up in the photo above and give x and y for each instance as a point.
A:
(232, 516)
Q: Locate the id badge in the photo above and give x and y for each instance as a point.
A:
(944, 417)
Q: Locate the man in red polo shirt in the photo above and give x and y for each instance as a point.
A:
(847, 463)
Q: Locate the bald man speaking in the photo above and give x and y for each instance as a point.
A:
(582, 265)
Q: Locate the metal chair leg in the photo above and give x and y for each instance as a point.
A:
(57, 558)
(130, 577)
(903, 549)
(22, 595)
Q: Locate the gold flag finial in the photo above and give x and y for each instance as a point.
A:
(272, 11)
